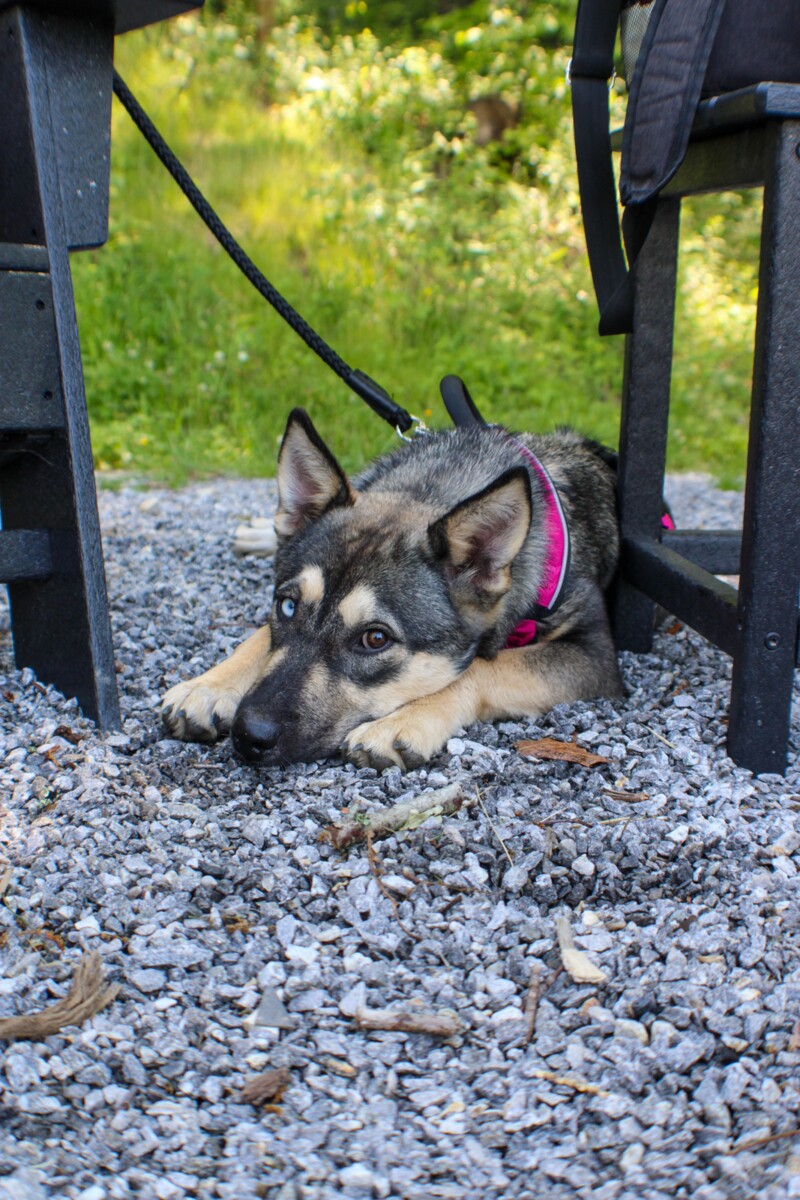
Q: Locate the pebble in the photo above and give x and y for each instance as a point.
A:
(148, 980)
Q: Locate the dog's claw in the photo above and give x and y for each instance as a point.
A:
(361, 756)
(412, 759)
(194, 712)
(354, 754)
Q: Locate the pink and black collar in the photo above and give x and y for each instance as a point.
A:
(551, 589)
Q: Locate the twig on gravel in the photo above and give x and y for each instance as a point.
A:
(394, 1020)
(628, 797)
(495, 830)
(764, 1141)
(408, 814)
(577, 964)
(634, 817)
(577, 1085)
(375, 867)
(268, 1088)
(87, 996)
(5, 880)
(536, 989)
(661, 738)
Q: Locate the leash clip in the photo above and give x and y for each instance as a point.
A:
(418, 429)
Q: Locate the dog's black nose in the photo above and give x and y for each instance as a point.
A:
(254, 735)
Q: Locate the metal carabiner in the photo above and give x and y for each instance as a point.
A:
(419, 429)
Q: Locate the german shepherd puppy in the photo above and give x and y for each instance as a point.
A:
(419, 598)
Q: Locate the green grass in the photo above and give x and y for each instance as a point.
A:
(414, 252)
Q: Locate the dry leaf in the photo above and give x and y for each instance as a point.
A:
(69, 735)
(338, 1066)
(267, 1088)
(577, 964)
(552, 748)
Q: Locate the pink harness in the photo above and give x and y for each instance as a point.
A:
(557, 561)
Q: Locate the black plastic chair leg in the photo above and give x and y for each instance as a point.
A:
(766, 654)
(48, 503)
(645, 413)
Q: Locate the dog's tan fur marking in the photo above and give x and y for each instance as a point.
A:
(312, 584)
(317, 683)
(358, 606)
(517, 683)
(204, 707)
(423, 675)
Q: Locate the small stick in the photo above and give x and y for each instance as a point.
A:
(87, 995)
(661, 738)
(374, 864)
(536, 989)
(764, 1141)
(628, 797)
(495, 830)
(532, 1003)
(395, 1020)
(409, 814)
(577, 1085)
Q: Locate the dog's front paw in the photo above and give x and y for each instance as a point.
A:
(195, 712)
(399, 740)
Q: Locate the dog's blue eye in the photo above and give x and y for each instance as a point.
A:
(287, 607)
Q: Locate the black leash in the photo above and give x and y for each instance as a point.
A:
(375, 396)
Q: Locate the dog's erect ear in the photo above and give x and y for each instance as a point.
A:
(310, 481)
(481, 537)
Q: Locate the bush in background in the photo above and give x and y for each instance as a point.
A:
(340, 146)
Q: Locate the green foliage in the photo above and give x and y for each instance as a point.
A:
(344, 158)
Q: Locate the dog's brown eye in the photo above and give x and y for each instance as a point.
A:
(375, 639)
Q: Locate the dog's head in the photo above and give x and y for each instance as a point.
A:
(380, 598)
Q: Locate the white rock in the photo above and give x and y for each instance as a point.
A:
(303, 954)
(357, 1176)
(509, 1013)
(583, 866)
(632, 1156)
(353, 1000)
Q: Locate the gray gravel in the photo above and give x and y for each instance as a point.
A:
(242, 943)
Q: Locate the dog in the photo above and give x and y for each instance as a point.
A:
(461, 578)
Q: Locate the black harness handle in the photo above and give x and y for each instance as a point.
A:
(460, 406)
